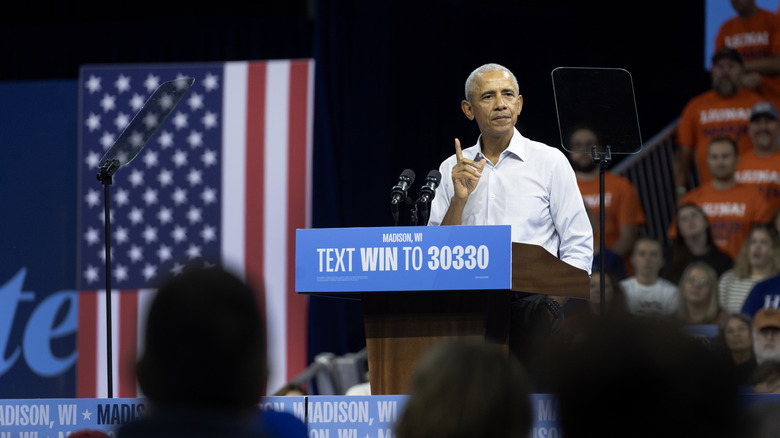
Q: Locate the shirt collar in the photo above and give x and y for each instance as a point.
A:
(516, 146)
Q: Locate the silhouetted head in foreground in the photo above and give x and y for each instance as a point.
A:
(205, 343)
(467, 389)
(641, 377)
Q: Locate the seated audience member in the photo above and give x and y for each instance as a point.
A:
(698, 298)
(758, 167)
(613, 265)
(613, 261)
(466, 389)
(735, 341)
(754, 33)
(766, 335)
(766, 292)
(292, 389)
(613, 294)
(732, 208)
(646, 292)
(623, 213)
(578, 311)
(766, 378)
(617, 383)
(758, 260)
(693, 242)
(575, 308)
(203, 369)
(695, 133)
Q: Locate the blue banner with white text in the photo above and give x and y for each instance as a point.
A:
(324, 416)
(412, 259)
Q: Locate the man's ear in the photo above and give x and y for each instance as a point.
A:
(466, 107)
(519, 103)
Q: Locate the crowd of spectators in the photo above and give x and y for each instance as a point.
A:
(719, 277)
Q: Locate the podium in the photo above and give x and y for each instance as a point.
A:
(425, 285)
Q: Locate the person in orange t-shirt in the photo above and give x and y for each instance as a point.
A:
(760, 166)
(755, 34)
(731, 208)
(722, 111)
(622, 210)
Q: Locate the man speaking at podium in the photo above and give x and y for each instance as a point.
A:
(507, 179)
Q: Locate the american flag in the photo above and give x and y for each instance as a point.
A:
(224, 181)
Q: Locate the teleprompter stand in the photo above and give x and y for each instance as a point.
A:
(601, 100)
(126, 147)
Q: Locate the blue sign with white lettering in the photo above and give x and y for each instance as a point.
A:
(337, 416)
(463, 257)
(57, 418)
(354, 416)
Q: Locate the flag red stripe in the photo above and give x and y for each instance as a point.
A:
(255, 144)
(128, 329)
(296, 211)
(86, 381)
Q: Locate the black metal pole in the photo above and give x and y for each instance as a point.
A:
(603, 159)
(106, 178)
(109, 355)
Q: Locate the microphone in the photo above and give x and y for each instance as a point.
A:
(428, 190)
(399, 190)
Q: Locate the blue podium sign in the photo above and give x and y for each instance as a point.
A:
(338, 260)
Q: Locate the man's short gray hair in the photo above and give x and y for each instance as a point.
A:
(485, 69)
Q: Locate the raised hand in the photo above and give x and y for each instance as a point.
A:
(465, 174)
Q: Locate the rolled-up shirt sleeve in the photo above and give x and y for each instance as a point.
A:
(571, 218)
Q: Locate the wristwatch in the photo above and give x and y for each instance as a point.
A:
(553, 306)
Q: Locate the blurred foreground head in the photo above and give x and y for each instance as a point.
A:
(467, 389)
(205, 343)
(642, 377)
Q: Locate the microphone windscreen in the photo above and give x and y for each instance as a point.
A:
(408, 173)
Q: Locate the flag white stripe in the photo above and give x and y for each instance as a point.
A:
(275, 218)
(102, 375)
(102, 348)
(309, 141)
(144, 301)
(233, 166)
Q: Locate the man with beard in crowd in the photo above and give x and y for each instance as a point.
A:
(623, 213)
(723, 111)
(766, 334)
(760, 166)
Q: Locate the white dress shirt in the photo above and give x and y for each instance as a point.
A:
(532, 188)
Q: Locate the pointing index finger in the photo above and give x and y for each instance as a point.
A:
(458, 151)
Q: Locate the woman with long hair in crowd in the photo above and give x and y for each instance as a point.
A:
(693, 242)
(698, 298)
(735, 341)
(758, 260)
